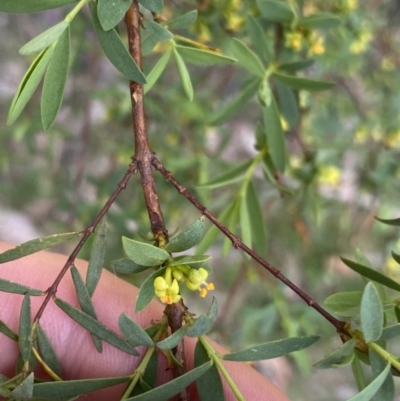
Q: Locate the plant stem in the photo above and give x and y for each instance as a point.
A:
(70, 16)
(217, 360)
(387, 356)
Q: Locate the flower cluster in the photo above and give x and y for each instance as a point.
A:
(167, 288)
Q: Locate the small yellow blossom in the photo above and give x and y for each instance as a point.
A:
(329, 175)
(393, 139)
(317, 47)
(294, 40)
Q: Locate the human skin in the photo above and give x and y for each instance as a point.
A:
(74, 345)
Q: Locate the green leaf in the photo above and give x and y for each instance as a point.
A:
(159, 33)
(188, 238)
(24, 390)
(133, 333)
(275, 11)
(272, 349)
(184, 74)
(264, 93)
(203, 58)
(126, 266)
(232, 108)
(111, 12)
(148, 43)
(256, 220)
(188, 260)
(97, 255)
(47, 351)
(371, 313)
(247, 58)
(25, 329)
(36, 245)
(368, 392)
(168, 390)
(95, 327)
(183, 21)
(202, 325)
(378, 365)
(28, 85)
(396, 257)
(245, 225)
(294, 66)
(85, 302)
(275, 135)
(15, 288)
(231, 176)
(31, 6)
(174, 339)
(303, 83)
(389, 222)
(115, 50)
(287, 104)
(72, 388)
(258, 38)
(146, 291)
(387, 333)
(320, 21)
(144, 254)
(339, 357)
(156, 72)
(213, 311)
(54, 81)
(209, 386)
(7, 331)
(45, 39)
(153, 5)
(372, 274)
(345, 303)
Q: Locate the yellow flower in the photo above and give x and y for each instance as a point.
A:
(294, 40)
(329, 175)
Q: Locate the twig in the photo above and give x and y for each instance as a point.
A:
(237, 243)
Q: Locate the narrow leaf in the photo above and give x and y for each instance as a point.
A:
(8, 332)
(133, 333)
(144, 254)
(338, 357)
(203, 57)
(54, 81)
(272, 349)
(275, 11)
(371, 313)
(294, 66)
(159, 33)
(168, 390)
(378, 365)
(188, 260)
(126, 266)
(245, 225)
(72, 388)
(213, 311)
(36, 245)
(184, 74)
(389, 222)
(303, 83)
(15, 288)
(183, 21)
(202, 325)
(85, 302)
(153, 5)
(188, 238)
(320, 21)
(45, 39)
(97, 254)
(372, 388)
(232, 175)
(287, 104)
(31, 6)
(156, 72)
(232, 108)
(115, 50)
(111, 12)
(275, 135)
(146, 291)
(345, 303)
(258, 38)
(47, 351)
(209, 386)
(372, 274)
(387, 333)
(25, 329)
(396, 257)
(173, 340)
(28, 85)
(95, 327)
(24, 390)
(247, 58)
